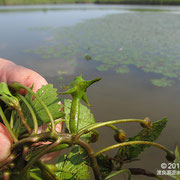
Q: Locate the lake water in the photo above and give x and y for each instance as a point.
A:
(135, 49)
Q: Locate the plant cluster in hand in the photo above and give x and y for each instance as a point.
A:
(23, 115)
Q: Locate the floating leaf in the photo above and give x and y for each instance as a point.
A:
(103, 67)
(87, 57)
(122, 69)
(163, 82)
(85, 118)
(117, 39)
(147, 134)
(73, 166)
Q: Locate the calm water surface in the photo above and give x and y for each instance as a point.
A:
(135, 49)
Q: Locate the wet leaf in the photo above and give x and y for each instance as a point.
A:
(163, 82)
(73, 165)
(105, 165)
(147, 134)
(49, 96)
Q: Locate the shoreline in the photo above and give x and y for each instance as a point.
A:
(100, 2)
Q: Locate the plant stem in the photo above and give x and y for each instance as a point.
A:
(32, 139)
(140, 171)
(89, 128)
(12, 119)
(66, 138)
(18, 86)
(31, 111)
(46, 171)
(90, 152)
(132, 143)
(74, 115)
(37, 157)
(5, 121)
(113, 127)
(21, 115)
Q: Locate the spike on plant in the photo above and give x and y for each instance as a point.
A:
(78, 91)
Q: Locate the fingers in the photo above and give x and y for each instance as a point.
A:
(51, 155)
(26, 77)
(5, 143)
(10, 72)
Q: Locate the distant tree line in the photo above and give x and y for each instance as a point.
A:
(19, 2)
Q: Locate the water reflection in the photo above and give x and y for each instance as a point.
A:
(120, 40)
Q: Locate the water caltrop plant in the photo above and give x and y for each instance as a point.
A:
(23, 115)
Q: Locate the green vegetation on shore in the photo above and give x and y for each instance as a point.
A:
(26, 2)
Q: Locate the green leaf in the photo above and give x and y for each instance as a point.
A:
(105, 165)
(73, 165)
(163, 82)
(7, 97)
(4, 89)
(147, 134)
(85, 118)
(49, 96)
(122, 69)
(177, 162)
(35, 174)
(120, 172)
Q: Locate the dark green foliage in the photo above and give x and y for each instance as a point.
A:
(105, 165)
(145, 2)
(25, 158)
(147, 134)
(48, 95)
(88, 57)
(16, 2)
(73, 165)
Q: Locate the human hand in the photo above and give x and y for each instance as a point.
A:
(10, 72)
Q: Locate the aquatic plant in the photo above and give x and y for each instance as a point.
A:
(135, 38)
(23, 115)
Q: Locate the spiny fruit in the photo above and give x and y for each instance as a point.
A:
(120, 136)
(146, 123)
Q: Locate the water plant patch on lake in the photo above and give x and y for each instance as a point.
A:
(148, 41)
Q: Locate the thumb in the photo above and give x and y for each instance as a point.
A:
(5, 143)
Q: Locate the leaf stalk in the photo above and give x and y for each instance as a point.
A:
(132, 143)
(5, 121)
